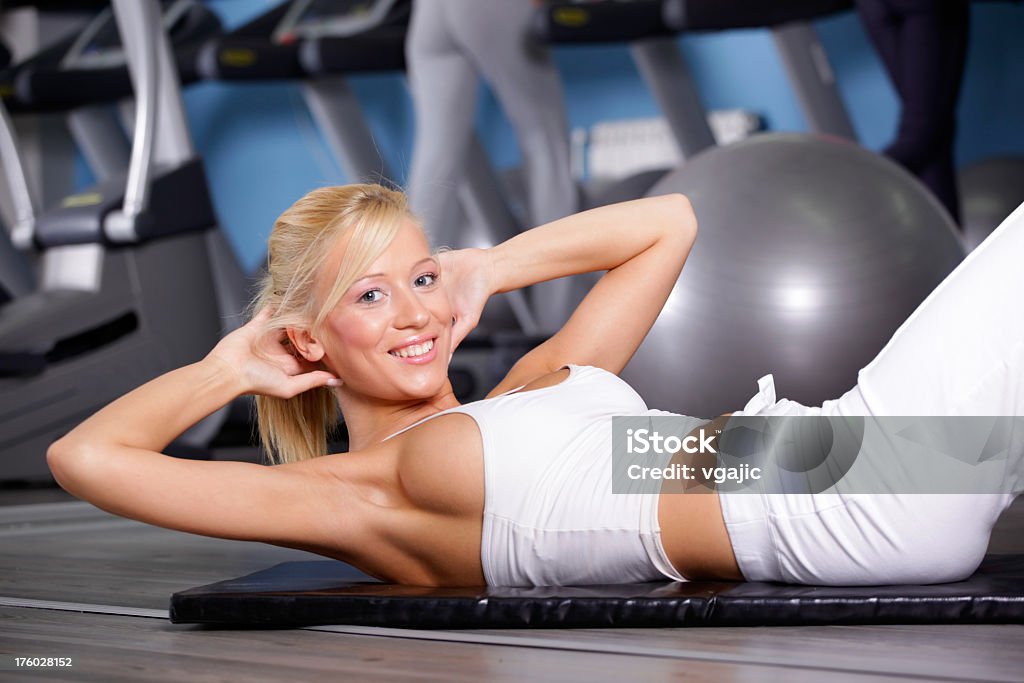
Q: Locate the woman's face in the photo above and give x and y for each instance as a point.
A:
(390, 334)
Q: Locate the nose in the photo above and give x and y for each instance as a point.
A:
(410, 310)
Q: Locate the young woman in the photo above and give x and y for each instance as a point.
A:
(358, 313)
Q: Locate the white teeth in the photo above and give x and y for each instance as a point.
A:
(414, 350)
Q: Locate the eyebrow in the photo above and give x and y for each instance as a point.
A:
(414, 267)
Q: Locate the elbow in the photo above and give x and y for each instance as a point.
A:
(687, 218)
(64, 458)
(57, 456)
(681, 221)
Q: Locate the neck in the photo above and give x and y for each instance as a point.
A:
(369, 421)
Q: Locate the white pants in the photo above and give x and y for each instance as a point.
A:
(960, 353)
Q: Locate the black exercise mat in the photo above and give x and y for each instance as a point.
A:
(328, 592)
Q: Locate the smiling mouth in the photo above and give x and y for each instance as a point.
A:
(414, 350)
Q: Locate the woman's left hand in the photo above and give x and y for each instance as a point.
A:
(468, 278)
(264, 363)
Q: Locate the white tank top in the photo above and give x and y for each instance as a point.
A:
(550, 517)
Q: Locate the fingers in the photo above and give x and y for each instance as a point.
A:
(460, 330)
(312, 380)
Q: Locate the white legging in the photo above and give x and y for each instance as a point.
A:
(960, 353)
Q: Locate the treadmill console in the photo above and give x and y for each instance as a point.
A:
(310, 19)
(99, 44)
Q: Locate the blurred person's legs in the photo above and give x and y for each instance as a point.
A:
(443, 83)
(923, 45)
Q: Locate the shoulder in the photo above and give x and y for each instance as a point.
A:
(440, 464)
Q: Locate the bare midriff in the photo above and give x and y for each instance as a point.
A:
(694, 535)
(695, 538)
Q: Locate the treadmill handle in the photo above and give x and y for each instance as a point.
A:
(137, 23)
(23, 231)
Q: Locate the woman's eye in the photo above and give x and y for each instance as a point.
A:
(426, 279)
(371, 297)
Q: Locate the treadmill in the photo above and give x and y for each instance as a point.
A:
(82, 76)
(125, 281)
(16, 276)
(652, 26)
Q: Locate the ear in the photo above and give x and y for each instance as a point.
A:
(304, 342)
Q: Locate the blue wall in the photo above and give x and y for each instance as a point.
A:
(263, 150)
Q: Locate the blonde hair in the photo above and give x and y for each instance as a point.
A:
(302, 239)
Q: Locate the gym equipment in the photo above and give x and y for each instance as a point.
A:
(795, 39)
(81, 76)
(16, 276)
(301, 40)
(651, 28)
(125, 278)
(812, 251)
(37, 32)
(84, 74)
(91, 69)
(17, 267)
(641, 24)
(293, 594)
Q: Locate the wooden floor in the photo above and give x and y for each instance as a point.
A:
(69, 574)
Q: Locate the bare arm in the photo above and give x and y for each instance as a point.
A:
(642, 244)
(113, 459)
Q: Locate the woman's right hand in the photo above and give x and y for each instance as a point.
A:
(263, 363)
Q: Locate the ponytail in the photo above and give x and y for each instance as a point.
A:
(297, 428)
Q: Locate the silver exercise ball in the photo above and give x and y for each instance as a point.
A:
(989, 192)
(811, 253)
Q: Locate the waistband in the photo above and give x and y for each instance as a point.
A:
(748, 515)
(746, 520)
(650, 537)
